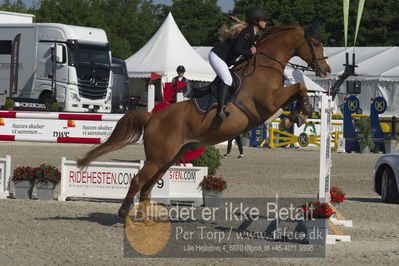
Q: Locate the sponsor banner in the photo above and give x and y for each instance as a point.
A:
(180, 183)
(50, 128)
(111, 180)
(5, 173)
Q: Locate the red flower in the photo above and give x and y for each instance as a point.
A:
(317, 210)
(337, 195)
(213, 183)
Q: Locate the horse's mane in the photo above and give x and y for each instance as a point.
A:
(277, 29)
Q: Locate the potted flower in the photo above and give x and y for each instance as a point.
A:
(316, 216)
(365, 134)
(245, 138)
(47, 177)
(212, 190)
(23, 178)
(336, 196)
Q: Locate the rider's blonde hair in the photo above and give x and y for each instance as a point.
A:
(232, 32)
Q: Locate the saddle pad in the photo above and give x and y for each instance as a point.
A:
(209, 101)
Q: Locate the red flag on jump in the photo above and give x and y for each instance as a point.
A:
(155, 76)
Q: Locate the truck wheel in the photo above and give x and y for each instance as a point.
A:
(389, 189)
(46, 98)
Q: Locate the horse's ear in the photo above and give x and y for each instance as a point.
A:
(315, 26)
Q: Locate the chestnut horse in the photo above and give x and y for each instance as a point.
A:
(179, 127)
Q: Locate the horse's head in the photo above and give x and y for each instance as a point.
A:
(312, 51)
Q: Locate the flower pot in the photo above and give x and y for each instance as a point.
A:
(212, 198)
(23, 189)
(390, 144)
(245, 142)
(364, 148)
(45, 191)
(336, 205)
(317, 231)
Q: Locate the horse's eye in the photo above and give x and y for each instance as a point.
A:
(317, 43)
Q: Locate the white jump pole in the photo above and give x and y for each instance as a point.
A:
(151, 97)
(326, 107)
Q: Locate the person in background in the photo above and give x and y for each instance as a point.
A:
(230, 144)
(180, 77)
(236, 41)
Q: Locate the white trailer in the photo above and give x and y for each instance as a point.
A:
(69, 64)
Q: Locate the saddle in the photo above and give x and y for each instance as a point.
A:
(205, 98)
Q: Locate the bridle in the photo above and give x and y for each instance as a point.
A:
(313, 66)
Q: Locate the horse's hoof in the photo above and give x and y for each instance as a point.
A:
(148, 221)
(123, 213)
(307, 110)
(285, 124)
(301, 120)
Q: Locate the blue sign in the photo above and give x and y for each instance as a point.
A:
(303, 139)
(353, 104)
(380, 105)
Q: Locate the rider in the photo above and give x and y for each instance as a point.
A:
(235, 44)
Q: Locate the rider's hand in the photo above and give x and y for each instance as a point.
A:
(253, 49)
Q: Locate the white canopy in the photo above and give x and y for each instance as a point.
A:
(166, 50)
(377, 63)
(378, 71)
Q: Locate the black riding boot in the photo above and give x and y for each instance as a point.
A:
(222, 92)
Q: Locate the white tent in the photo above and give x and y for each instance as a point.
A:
(166, 50)
(378, 71)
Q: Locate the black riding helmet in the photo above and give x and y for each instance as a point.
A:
(254, 15)
(180, 69)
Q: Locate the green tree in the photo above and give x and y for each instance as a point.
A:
(13, 6)
(198, 20)
(378, 26)
(128, 23)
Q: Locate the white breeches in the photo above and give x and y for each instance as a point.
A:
(221, 68)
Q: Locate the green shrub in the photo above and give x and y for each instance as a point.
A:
(246, 135)
(55, 107)
(365, 132)
(9, 104)
(210, 158)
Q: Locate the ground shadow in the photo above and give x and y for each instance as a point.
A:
(106, 219)
(370, 200)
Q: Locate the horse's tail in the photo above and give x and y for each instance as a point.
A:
(128, 130)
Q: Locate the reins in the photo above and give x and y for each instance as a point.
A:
(283, 64)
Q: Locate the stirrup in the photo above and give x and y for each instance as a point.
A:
(223, 114)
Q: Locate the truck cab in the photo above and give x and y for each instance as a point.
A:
(69, 64)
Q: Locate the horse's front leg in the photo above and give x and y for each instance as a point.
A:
(283, 95)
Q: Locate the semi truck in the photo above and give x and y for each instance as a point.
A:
(120, 88)
(47, 62)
